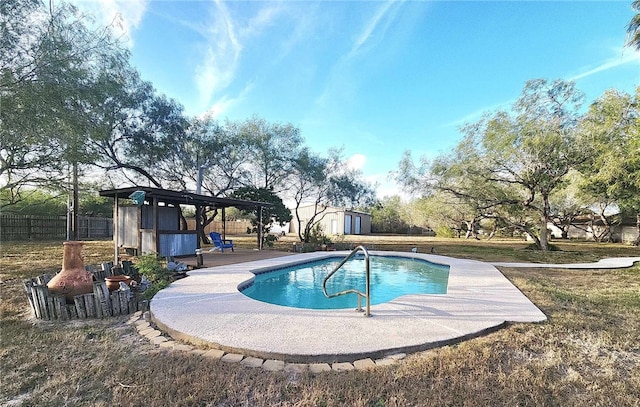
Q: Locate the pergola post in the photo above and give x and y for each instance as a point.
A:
(260, 227)
(199, 260)
(224, 224)
(156, 232)
(116, 228)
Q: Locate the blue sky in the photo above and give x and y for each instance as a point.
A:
(374, 77)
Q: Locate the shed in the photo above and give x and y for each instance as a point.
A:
(152, 224)
(334, 220)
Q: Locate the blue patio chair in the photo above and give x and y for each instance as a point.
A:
(219, 243)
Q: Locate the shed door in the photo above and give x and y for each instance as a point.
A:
(347, 224)
(334, 226)
(358, 225)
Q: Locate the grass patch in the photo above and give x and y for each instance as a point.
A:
(588, 352)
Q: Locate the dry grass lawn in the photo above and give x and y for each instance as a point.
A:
(586, 354)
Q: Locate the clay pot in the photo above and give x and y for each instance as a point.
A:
(73, 279)
(113, 282)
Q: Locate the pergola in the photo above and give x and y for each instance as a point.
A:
(153, 223)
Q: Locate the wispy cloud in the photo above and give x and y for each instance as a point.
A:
(226, 39)
(264, 18)
(626, 57)
(372, 32)
(226, 102)
(122, 16)
(370, 27)
(220, 59)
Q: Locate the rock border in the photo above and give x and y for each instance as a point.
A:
(141, 320)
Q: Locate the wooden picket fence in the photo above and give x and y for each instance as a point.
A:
(99, 304)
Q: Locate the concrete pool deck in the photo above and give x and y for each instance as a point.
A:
(207, 308)
(610, 263)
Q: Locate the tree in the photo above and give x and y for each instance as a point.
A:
(569, 204)
(206, 158)
(323, 182)
(271, 149)
(136, 130)
(386, 216)
(531, 151)
(277, 213)
(633, 29)
(509, 163)
(49, 81)
(611, 170)
(41, 202)
(447, 210)
(70, 99)
(48, 65)
(38, 202)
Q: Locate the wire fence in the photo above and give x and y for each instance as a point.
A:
(33, 227)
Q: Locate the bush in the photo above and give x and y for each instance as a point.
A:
(318, 236)
(150, 266)
(445, 231)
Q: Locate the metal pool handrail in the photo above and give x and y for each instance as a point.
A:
(367, 292)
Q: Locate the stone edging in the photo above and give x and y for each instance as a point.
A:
(145, 329)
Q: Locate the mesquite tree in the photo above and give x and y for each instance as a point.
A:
(323, 182)
(509, 163)
(611, 171)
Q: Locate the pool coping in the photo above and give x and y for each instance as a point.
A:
(208, 309)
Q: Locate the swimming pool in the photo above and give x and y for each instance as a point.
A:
(300, 286)
(208, 308)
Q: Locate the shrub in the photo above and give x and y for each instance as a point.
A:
(150, 266)
(445, 231)
(318, 236)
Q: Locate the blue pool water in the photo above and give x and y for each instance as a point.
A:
(391, 277)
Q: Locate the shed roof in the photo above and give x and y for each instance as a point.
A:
(337, 208)
(184, 198)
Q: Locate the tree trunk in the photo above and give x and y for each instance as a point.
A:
(535, 239)
(637, 241)
(206, 221)
(76, 204)
(306, 237)
(199, 229)
(299, 222)
(201, 218)
(607, 226)
(472, 231)
(599, 235)
(494, 230)
(544, 234)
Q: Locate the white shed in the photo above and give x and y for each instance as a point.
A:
(334, 220)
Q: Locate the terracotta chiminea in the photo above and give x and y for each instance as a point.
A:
(73, 279)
